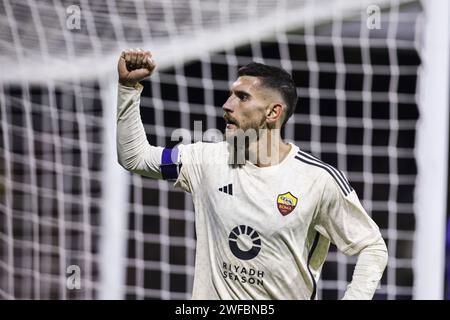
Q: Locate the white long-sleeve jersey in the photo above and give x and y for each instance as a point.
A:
(262, 232)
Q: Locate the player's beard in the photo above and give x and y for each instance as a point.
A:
(239, 140)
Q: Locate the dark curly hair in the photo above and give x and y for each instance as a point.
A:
(275, 78)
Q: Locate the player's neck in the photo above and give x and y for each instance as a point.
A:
(269, 149)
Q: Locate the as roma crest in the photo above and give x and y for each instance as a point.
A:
(286, 202)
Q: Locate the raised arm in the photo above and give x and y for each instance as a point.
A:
(133, 150)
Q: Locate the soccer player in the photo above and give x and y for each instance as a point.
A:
(264, 224)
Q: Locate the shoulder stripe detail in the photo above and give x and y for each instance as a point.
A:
(339, 173)
(342, 182)
(344, 190)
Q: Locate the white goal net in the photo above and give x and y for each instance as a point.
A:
(66, 206)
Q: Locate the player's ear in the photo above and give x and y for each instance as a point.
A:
(274, 113)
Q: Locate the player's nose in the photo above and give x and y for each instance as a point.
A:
(228, 105)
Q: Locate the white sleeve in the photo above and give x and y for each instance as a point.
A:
(138, 156)
(368, 271)
(342, 219)
(133, 150)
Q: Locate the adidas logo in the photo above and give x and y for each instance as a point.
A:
(227, 189)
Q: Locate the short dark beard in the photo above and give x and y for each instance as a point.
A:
(238, 146)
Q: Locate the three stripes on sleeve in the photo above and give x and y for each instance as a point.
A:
(337, 175)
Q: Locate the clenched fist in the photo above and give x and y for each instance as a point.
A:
(134, 65)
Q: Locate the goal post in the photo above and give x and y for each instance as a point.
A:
(432, 154)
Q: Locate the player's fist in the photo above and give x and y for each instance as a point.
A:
(134, 65)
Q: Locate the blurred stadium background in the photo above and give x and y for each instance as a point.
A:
(372, 77)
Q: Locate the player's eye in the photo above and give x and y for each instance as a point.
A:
(243, 96)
